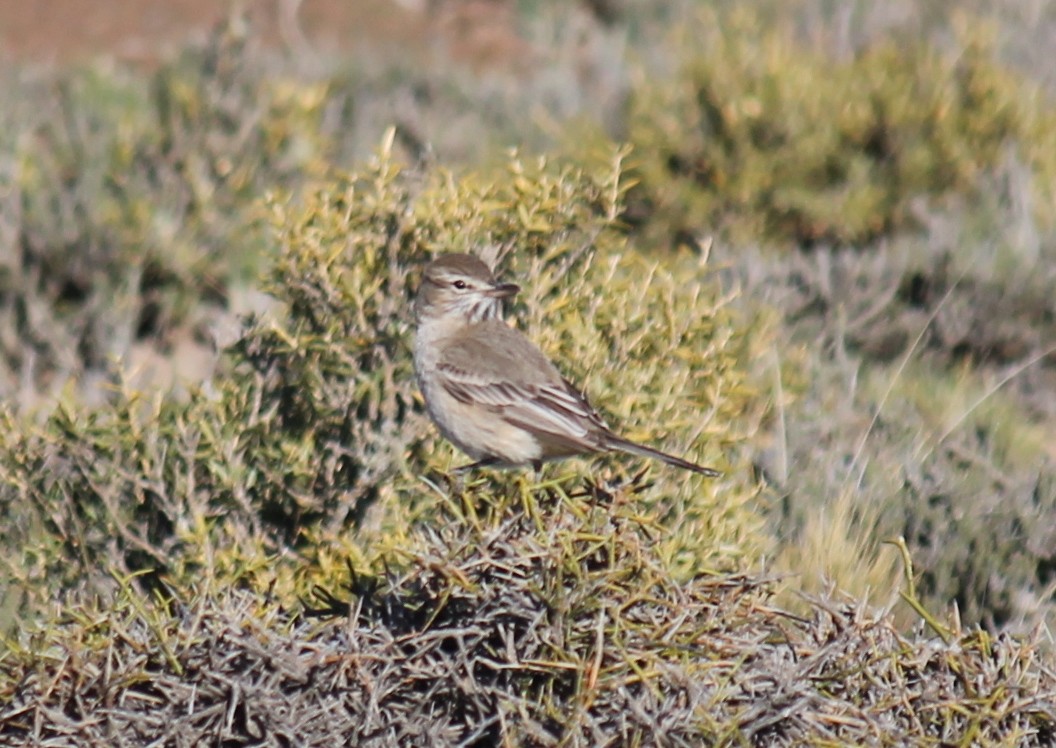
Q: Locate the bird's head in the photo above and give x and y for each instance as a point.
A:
(460, 286)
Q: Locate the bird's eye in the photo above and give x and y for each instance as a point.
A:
(459, 284)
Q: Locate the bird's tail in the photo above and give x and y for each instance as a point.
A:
(623, 445)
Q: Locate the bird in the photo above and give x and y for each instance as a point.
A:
(490, 390)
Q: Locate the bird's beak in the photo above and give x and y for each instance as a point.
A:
(503, 290)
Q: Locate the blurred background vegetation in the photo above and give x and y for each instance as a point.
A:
(813, 243)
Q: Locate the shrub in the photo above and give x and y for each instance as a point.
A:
(129, 209)
(763, 135)
(302, 449)
(533, 619)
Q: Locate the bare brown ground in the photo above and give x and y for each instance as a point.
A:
(145, 31)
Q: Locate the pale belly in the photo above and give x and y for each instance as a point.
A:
(480, 432)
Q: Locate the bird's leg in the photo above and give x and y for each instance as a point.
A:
(486, 462)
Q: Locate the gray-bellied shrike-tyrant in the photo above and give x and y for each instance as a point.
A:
(489, 389)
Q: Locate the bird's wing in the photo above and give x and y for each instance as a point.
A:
(510, 375)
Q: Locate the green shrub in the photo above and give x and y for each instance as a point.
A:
(304, 447)
(762, 135)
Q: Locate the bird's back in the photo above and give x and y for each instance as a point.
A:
(493, 351)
